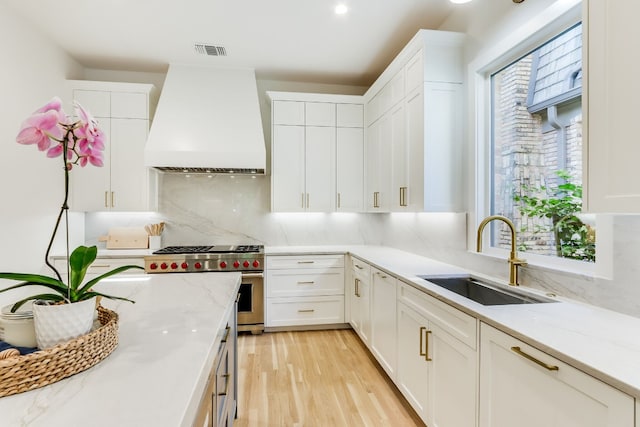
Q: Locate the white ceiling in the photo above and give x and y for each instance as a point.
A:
(299, 40)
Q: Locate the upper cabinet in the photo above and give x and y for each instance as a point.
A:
(123, 111)
(413, 138)
(316, 152)
(612, 177)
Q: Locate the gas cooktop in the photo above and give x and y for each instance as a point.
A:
(217, 249)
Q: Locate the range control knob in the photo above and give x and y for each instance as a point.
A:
(236, 264)
(174, 265)
(256, 264)
(223, 264)
(153, 266)
(184, 265)
(198, 265)
(245, 264)
(164, 266)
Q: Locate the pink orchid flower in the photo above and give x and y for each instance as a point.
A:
(44, 124)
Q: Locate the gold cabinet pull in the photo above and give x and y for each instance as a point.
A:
(226, 334)
(106, 195)
(422, 353)
(308, 282)
(359, 267)
(338, 200)
(382, 276)
(357, 288)
(309, 310)
(113, 202)
(306, 262)
(403, 196)
(100, 265)
(426, 349)
(548, 367)
(376, 203)
(226, 387)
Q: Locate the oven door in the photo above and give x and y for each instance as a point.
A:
(251, 303)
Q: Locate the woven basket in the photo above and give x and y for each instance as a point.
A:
(44, 367)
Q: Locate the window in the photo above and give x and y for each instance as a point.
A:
(536, 151)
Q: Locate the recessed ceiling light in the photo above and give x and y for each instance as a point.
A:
(459, 1)
(341, 9)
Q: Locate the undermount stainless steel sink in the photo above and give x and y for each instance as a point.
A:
(484, 293)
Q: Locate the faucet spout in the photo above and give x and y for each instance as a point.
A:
(513, 260)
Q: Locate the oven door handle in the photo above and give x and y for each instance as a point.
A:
(252, 275)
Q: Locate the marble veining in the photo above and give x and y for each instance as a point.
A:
(157, 374)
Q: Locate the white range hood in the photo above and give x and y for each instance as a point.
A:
(207, 120)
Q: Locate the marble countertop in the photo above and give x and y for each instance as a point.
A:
(157, 375)
(600, 342)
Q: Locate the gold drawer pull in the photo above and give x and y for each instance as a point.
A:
(359, 267)
(534, 360)
(101, 266)
(310, 282)
(357, 288)
(306, 262)
(422, 329)
(226, 334)
(426, 350)
(309, 310)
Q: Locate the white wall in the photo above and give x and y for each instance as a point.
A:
(31, 190)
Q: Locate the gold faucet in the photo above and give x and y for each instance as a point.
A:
(513, 260)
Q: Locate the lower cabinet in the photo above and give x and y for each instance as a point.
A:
(383, 320)
(522, 386)
(437, 368)
(359, 294)
(219, 402)
(304, 290)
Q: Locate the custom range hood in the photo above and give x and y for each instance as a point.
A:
(208, 121)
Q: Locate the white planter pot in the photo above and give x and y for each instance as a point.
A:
(56, 324)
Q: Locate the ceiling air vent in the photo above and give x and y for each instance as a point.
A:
(211, 50)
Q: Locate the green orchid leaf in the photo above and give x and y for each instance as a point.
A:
(54, 285)
(87, 286)
(91, 294)
(79, 261)
(46, 297)
(33, 278)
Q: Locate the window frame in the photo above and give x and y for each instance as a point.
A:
(559, 17)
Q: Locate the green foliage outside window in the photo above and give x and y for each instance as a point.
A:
(573, 238)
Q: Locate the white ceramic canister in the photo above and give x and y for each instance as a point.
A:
(17, 328)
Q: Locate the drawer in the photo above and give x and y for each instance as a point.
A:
(294, 311)
(360, 267)
(458, 324)
(305, 262)
(282, 283)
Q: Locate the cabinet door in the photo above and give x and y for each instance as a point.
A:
(350, 115)
(349, 169)
(90, 186)
(378, 165)
(320, 151)
(452, 380)
(400, 160)
(320, 114)
(288, 113)
(522, 386)
(129, 176)
(97, 102)
(612, 170)
(413, 367)
(129, 105)
(287, 173)
(441, 172)
(383, 320)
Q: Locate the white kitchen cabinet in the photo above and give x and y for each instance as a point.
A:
(359, 293)
(419, 95)
(102, 264)
(383, 320)
(611, 175)
(312, 136)
(123, 183)
(520, 385)
(304, 290)
(377, 168)
(437, 359)
(349, 169)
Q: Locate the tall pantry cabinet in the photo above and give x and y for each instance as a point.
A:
(123, 112)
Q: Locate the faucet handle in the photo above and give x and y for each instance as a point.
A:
(518, 261)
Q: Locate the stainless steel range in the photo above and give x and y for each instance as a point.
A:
(247, 259)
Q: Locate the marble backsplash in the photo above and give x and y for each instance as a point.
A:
(234, 210)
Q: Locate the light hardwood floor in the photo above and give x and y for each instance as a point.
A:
(315, 378)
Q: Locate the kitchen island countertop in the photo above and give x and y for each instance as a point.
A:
(157, 375)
